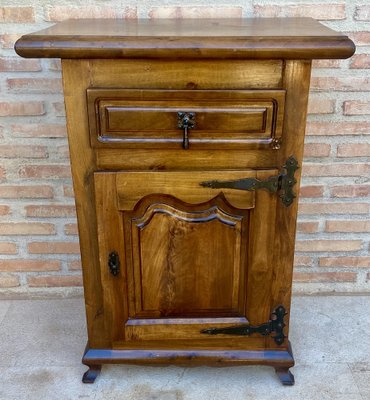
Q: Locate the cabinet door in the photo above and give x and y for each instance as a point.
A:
(190, 257)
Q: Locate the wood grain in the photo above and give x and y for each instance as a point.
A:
(186, 74)
(296, 81)
(184, 186)
(149, 118)
(191, 257)
(83, 163)
(268, 38)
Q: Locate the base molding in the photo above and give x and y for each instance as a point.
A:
(281, 360)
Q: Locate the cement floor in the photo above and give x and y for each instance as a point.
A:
(41, 343)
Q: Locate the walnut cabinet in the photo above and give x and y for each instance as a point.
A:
(186, 141)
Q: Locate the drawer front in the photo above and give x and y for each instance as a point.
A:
(184, 118)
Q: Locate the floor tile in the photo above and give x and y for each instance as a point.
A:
(42, 342)
(43, 332)
(331, 329)
(324, 382)
(362, 380)
(4, 306)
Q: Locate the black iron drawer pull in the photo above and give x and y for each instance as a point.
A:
(185, 121)
(282, 183)
(274, 325)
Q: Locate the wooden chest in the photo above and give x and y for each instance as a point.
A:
(186, 141)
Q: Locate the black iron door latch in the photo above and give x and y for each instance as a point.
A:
(113, 263)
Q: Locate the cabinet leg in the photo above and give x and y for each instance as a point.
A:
(285, 376)
(91, 374)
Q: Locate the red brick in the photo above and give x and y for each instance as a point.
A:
(26, 192)
(308, 227)
(352, 84)
(353, 150)
(21, 108)
(360, 61)
(8, 248)
(334, 208)
(362, 13)
(316, 150)
(317, 11)
(350, 191)
(17, 14)
(71, 229)
(35, 85)
(338, 128)
(45, 171)
(347, 226)
(54, 281)
(55, 65)
(60, 13)
(328, 245)
(11, 64)
(2, 173)
(39, 130)
(195, 12)
(54, 248)
(74, 265)
(68, 191)
(356, 107)
(17, 151)
(63, 151)
(360, 38)
(335, 169)
(27, 228)
(302, 261)
(50, 211)
(320, 106)
(326, 64)
(59, 109)
(311, 191)
(7, 281)
(4, 210)
(317, 277)
(356, 262)
(8, 40)
(29, 265)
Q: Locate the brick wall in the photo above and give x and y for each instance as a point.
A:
(38, 235)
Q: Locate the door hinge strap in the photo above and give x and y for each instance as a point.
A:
(274, 325)
(282, 183)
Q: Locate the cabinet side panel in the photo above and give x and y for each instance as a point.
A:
(296, 82)
(76, 78)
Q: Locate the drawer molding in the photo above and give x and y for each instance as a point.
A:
(132, 118)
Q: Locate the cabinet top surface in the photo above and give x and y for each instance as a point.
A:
(302, 38)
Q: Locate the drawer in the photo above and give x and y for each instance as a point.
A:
(189, 119)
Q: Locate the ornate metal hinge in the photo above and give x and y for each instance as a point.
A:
(274, 325)
(113, 263)
(282, 183)
(185, 121)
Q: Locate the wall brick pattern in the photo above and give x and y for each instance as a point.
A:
(39, 251)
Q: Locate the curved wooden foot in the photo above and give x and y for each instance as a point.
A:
(285, 376)
(91, 374)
